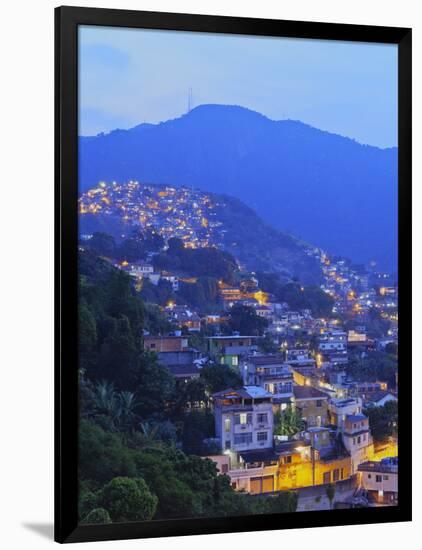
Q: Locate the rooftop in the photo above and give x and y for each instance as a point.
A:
(308, 392)
(247, 392)
(183, 370)
(264, 455)
(383, 466)
(356, 417)
(266, 359)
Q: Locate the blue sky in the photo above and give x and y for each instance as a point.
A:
(129, 76)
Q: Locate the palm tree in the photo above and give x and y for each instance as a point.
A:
(106, 404)
(289, 422)
(127, 406)
(146, 437)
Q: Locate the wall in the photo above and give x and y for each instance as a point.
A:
(27, 174)
(302, 473)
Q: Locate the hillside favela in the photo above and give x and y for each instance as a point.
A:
(228, 366)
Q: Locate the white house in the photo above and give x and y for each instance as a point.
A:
(243, 419)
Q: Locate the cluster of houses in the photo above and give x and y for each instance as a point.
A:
(332, 441)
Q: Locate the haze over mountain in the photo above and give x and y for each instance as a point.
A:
(327, 189)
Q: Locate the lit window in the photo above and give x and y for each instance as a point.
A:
(227, 424)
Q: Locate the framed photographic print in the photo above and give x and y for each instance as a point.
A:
(232, 260)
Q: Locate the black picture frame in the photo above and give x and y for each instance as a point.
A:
(67, 20)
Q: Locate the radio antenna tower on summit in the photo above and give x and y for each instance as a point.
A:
(190, 99)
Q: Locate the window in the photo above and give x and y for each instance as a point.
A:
(336, 475)
(262, 436)
(369, 476)
(354, 441)
(152, 346)
(378, 478)
(235, 361)
(341, 473)
(288, 459)
(358, 440)
(243, 439)
(319, 403)
(326, 477)
(227, 444)
(385, 478)
(262, 418)
(224, 468)
(227, 424)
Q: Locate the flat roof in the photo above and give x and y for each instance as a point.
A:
(308, 392)
(254, 392)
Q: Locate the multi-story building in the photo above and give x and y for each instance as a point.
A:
(380, 480)
(312, 405)
(165, 343)
(244, 419)
(357, 439)
(171, 350)
(270, 372)
(339, 409)
(332, 341)
(299, 358)
(229, 349)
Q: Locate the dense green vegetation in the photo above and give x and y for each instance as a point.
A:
(373, 366)
(140, 435)
(131, 249)
(288, 422)
(244, 320)
(383, 421)
(296, 296)
(201, 262)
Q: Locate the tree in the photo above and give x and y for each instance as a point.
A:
(102, 455)
(155, 385)
(266, 344)
(128, 499)
(289, 422)
(383, 421)
(330, 491)
(103, 244)
(87, 336)
(373, 366)
(131, 250)
(119, 355)
(219, 377)
(192, 394)
(97, 515)
(198, 425)
(244, 319)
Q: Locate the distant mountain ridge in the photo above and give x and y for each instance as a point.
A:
(329, 190)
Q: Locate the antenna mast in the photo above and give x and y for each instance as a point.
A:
(190, 99)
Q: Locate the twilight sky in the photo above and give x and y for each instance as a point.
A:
(129, 76)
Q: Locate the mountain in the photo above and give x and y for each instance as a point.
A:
(209, 219)
(329, 190)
